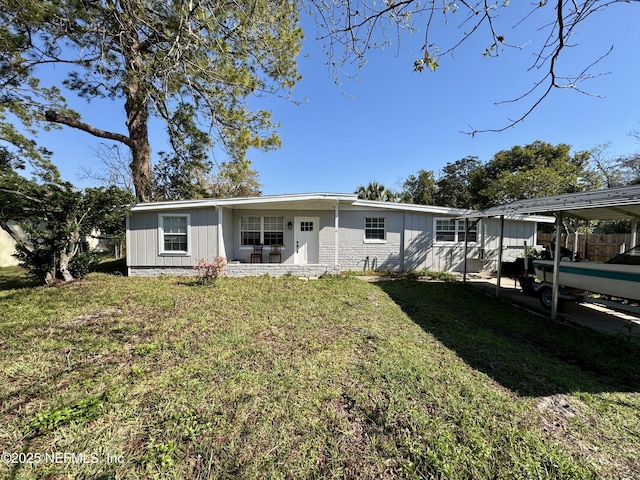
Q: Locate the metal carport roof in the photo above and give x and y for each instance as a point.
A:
(607, 204)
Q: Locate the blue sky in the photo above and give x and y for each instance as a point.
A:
(392, 122)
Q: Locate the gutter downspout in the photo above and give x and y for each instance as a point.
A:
(634, 232)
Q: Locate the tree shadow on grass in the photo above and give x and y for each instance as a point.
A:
(523, 352)
(13, 278)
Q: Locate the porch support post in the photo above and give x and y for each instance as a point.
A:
(336, 233)
(500, 244)
(556, 267)
(221, 250)
(634, 232)
(466, 249)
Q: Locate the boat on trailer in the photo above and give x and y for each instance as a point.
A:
(618, 277)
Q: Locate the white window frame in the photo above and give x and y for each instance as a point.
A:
(161, 234)
(240, 230)
(262, 230)
(458, 239)
(374, 240)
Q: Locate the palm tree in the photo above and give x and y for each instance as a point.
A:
(376, 191)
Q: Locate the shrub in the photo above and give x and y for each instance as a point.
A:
(208, 272)
(83, 264)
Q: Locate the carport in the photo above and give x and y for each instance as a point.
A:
(606, 204)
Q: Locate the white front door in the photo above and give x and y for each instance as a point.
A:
(306, 240)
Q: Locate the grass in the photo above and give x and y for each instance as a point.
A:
(278, 378)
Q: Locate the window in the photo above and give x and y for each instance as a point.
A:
(261, 230)
(174, 232)
(449, 230)
(250, 231)
(374, 228)
(446, 230)
(273, 230)
(472, 235)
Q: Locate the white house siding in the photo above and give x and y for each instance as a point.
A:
(418, 241)
(226, 249)
(143, 249)
(7, 249)
(515, 234)
(354, 253)
(484, 254)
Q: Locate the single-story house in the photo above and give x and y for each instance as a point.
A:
(8, 245)
(95, 242)
(317, 233)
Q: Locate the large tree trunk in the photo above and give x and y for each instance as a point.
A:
(68, 253)
(136, 107)
(137, 123)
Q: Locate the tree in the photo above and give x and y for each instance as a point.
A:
(177, 180)
(535, 170)
(376, 191)
(349, 29)
(113, 169)
(608, 169)
(420, 189)
(631, 165)
(54, 216)
(455, 186)
(191, 64)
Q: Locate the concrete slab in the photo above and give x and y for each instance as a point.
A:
(600, 315)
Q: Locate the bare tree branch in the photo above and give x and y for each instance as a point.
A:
(55, 117)
(348, 28)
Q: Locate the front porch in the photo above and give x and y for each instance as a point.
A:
(279, 269)
(244, 270)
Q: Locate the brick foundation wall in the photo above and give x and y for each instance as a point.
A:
(243, 270)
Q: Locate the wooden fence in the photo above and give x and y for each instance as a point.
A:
(595, 247)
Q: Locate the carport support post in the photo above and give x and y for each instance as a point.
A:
(499, 269)
(556, 268)
(634, 232)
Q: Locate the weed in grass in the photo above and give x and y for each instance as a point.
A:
(84, 410)
(160, 454)
(143, 349)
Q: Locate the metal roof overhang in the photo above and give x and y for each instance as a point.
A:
(609, 204)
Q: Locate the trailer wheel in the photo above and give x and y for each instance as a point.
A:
(546, 298)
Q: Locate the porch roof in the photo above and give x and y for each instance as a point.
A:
(312, 201)
(270, 201)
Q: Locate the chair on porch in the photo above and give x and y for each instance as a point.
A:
(256, 256)
(275, 253)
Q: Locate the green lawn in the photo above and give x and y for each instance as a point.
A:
(280, 378)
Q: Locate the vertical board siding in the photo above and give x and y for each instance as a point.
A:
(144, 248)
(418, 241)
